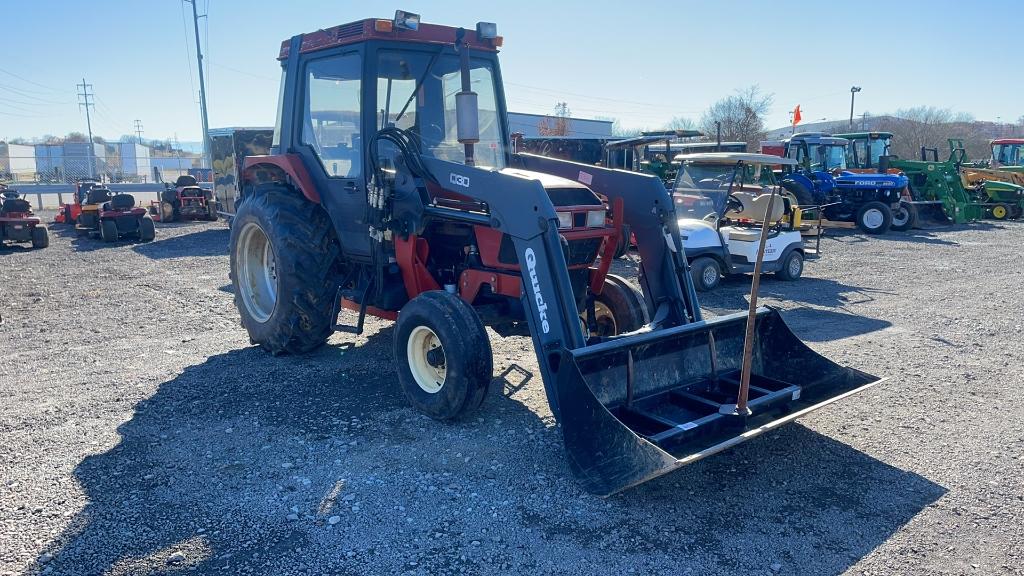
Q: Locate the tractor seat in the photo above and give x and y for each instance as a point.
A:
(186, 180)
(97, 195)
(122, 202)
(12, 205)
(755, 207)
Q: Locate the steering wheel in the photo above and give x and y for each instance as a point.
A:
(733, 204)
(432, 134)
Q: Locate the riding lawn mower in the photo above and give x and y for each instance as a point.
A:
(112, 216)
(17, 223)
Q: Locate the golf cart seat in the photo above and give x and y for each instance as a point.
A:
(122, 202)
(98, 195)
(755, 207)
(186, 180)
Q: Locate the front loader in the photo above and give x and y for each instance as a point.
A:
(391, 191)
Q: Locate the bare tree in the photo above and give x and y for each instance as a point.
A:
(741, 116)
(681, 123)
(557, 126)
(930, 127)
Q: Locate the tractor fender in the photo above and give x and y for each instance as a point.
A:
(285, 167)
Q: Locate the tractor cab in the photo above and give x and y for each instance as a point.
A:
(866, 149)
(651, 152)
(817, 152)
(1008, 154)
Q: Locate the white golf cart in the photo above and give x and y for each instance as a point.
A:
(722, 201)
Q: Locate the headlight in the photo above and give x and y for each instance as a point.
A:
(595, 218)
(564, 220)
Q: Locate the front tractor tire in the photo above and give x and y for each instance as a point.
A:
(874, 218)
(443, 355)
(618, 309)
(283, 254)
(904, 218)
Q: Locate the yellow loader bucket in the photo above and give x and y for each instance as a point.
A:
(646, 404)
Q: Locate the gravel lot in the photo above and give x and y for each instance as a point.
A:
(141, 433)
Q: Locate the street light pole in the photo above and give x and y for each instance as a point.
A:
(202, 86)
(853, 93)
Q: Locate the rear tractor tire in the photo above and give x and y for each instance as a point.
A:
(108, 231)
(283, 254)
(443, 355)
(904, 218)
(40, 237)
(706, 273)
(618, 309)
(874, 218)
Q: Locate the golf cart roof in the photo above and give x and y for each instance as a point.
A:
(1008, 141)
(650, 137)
(863, 135)
(733, 158)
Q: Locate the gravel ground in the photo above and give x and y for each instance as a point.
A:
(142, 433)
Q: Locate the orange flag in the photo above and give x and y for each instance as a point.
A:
(796, 115)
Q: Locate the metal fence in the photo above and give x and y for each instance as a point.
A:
(56, 167)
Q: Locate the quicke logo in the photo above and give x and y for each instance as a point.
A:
(542, 308)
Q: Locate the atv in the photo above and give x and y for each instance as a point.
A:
(185, 200)
(111, 216)
(17, 223)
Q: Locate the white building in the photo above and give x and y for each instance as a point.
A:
(17, 162)
(135, 160)
(544, 126)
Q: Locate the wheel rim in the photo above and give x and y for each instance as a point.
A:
(901, 217)
(709, 276)
(873, 218)
(257, 272)
(427, 361)
(999, 212)
(605, 320)
(795, 266)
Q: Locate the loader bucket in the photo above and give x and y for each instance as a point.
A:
(646, 404)
(931, 215)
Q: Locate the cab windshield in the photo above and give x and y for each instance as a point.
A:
(1008, 154)
(823, 157)
(429, 112)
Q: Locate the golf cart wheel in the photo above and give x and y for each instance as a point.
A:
(874, 218)
(1001, 211)
(443, 355)
(168, 211)
(792, 267)
(283, 254)
(706, 273)
(40, 237)
(618, 309)
(147, 230)
(108, 231)
(904, 218)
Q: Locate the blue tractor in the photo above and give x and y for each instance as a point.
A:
(820, 178)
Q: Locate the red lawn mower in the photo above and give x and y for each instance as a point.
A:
(113, 215)
(17, 224)
(184, 201)
(68, 213)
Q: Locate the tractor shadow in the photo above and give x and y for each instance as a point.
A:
(201, 244)
(89, 242)
(210, 464)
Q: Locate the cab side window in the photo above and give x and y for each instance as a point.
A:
(330, 123)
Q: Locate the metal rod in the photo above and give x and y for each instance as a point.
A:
(629, 378)
(202, 86)
(748, 339)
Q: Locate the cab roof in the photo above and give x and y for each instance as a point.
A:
(733, 158)
(871, 135)
(367, 29)
(1008, 141)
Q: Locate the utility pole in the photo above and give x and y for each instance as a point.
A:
(85, 103)
(853, 92)
(138, 129)
(202, 86)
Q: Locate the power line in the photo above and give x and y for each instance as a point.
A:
(23, 79)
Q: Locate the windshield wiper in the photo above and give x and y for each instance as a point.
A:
(419, 83)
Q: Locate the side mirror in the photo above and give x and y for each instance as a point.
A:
(467, 117)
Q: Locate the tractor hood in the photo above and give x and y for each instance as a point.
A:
(855, 180)
(563, 192)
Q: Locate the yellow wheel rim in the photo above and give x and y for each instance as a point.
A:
(999, 212)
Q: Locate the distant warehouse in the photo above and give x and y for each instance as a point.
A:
(542, 126)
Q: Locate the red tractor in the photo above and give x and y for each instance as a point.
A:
(185, 200)
(17, 224)
(391, 190)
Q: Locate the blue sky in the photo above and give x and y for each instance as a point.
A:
(643, 66)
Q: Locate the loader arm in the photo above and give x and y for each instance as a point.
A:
(650, 214)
